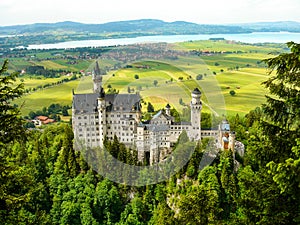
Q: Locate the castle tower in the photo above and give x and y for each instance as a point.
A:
(102, 117)
(196, 107)
(97, 79)
(225, 136)
(168, 109)
(231, 141)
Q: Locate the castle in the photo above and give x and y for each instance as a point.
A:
(98, 115)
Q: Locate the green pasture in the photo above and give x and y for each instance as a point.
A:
(242, 72)
(215, 88)
(226, 46)
(16, 64)
(34, 101)
(247, 86)
(32, 82)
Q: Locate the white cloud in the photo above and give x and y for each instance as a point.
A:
(97, 11)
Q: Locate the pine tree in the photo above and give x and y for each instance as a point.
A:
(11, 124)
(269, 185)
(282, 112)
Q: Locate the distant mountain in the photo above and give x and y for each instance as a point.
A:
(45, 33)
(289, 26)
(144, 26)
(150, 26)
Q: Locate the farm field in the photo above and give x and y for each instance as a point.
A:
(240, 71)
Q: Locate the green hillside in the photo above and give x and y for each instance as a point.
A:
(224, 66)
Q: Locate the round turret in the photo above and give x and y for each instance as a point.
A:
(196, 91)
(196, 95)
(168, 109)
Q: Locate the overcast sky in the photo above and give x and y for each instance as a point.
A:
(13, 12)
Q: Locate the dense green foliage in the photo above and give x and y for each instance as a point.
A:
(40, 70)
(44, 181)
(52, 111)
(10, 121)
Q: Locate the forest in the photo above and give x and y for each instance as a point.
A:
(43, 180)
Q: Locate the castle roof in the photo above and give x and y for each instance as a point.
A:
(123, 102)
(161, 114)
(87, 103)
(97, 69)
(196, 91)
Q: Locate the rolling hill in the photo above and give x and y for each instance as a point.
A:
(149, 26)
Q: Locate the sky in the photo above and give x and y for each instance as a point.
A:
(15, 12)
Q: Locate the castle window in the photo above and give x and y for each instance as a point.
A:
(85, 117)
(79, 117)
(79, 124)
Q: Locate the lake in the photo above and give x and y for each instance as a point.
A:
(258, 37)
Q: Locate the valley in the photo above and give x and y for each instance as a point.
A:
(223, 66)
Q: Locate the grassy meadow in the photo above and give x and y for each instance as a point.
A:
(240, 70)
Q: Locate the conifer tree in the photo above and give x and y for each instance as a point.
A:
(269, 185)
(282, 112)
(11, 124)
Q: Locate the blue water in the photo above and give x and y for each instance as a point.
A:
(258, 37)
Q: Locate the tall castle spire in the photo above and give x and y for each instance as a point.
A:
(196, 107)
(97, 79)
